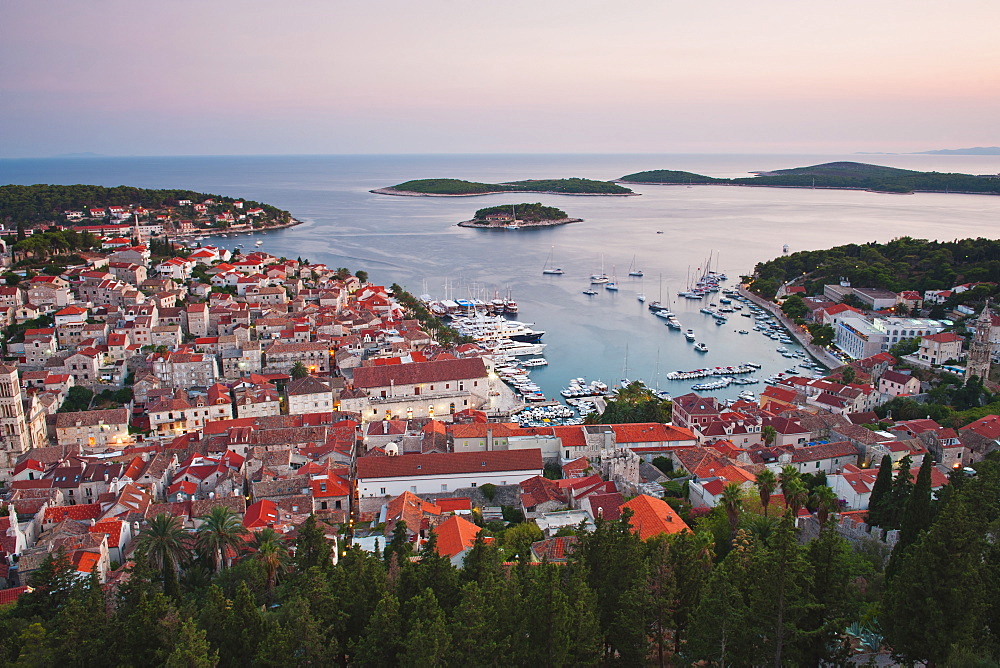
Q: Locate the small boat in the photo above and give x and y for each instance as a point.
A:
(701, 347)
(641, 297)
(589, 291)
(659, 231)
(260, 242)
(689, 335)
(633, 270)
(550, 270)
(743, 331)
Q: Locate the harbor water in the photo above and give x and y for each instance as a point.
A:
(668, 232)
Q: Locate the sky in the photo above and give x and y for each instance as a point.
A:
(211, 77)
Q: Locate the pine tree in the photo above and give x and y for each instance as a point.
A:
(720, 631)
(382, 640)
(191, 649)
(902, 484)
(476, 627)
(881, 490)
(427, 642)
(837, 599)
(311, 547)
(941, 577)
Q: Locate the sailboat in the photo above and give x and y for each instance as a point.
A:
(658, 304)
(601, 277)
(613, 283)
(546, 269)
(633, 270)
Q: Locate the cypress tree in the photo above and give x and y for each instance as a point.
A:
(428, 640)
(880, 492)
(382, 640)
(917, 511)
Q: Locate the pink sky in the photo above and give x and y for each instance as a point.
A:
(386, 76)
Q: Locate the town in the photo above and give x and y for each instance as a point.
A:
(155, 387)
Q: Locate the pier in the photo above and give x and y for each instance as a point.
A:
(821, 355)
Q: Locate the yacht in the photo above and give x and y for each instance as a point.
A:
(689, 335)
(701, 347)
(496, 328)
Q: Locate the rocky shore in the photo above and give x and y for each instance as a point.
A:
(521, 224)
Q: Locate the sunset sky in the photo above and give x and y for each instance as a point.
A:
(541, 76)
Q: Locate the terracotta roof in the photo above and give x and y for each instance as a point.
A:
(943, 337)
(554, 550)
(8, 596)
(826, 451)
(608, 506)
(260, 514)
(454, 504)
(652, 517)
(87, 511)
(420, 372)
(449, 463)
(539, 489)
(455, 535)
(112, 527)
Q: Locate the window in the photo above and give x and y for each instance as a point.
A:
(444, 487)
(382, 490)
(473, 484)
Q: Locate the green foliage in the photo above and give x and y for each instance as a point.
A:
(794, 307)
(634, 403)
(822, 335)
(47, 203)
(77, 399)
(905, 347)
(901, 264)
(527, 212)
(489, 490)
(460, 187)
(298, 371)
(850, 175)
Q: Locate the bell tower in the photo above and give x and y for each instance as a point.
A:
(981, 347)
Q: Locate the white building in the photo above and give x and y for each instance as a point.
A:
(443, 472)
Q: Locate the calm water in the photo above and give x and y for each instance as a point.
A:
(414, 241)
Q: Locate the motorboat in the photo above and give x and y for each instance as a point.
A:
(689, 335)
(701, 347)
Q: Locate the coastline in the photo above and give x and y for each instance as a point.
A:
(410, 193)
(215, 233)
(483, 225)
(762, 185)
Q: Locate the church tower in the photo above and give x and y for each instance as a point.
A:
(981, 348)
(14, 437)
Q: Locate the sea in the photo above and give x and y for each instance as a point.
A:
(669, 232)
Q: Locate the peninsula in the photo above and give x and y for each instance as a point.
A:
(460, 188)
(514, 216)
(837, 175)
(97, 209)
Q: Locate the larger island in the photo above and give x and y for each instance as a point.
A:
(460, 188)
(837, 175)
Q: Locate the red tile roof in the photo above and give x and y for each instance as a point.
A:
(455, 535)
(420, 372)
(87, 511)
(652, 517)
(8, 596)
(454, 504)
(449, 463)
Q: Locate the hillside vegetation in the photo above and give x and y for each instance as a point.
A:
(47, 203)
(849, 175)
(532, 213)
(459, 187)
(901, 264)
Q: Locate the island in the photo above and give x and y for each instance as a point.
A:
(837, 175)
(134, 212)
(516, 216)
(460, 188)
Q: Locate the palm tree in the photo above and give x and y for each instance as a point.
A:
(163, 542)
(732, 502)
(219, 530)
(268, 547)
(766, 483)
(826, 503)
(796, 494)
(769, 434)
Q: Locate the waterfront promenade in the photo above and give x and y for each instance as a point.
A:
(821, 355)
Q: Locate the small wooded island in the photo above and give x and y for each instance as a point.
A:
(516, 216)
(460, 188)
(838, 175)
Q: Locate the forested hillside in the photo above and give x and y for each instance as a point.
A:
(46, 203)
(460, 187)
(901, 264)
(853, 175)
